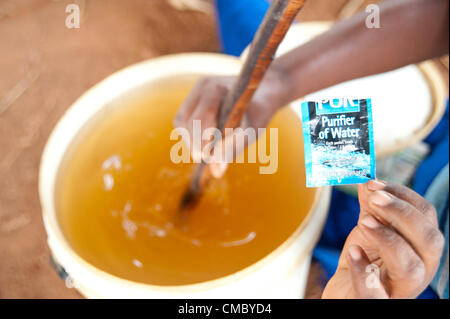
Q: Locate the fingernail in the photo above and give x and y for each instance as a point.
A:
(355, 253)
(218, 169)
(370, 222)
(381, 198)
(196, 156)
(375, 185)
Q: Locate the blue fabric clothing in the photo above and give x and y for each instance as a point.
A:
(238, 22)
(437, 194)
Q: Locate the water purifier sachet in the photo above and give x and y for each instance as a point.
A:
(338, 141)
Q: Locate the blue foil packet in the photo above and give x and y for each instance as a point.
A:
(338, 141)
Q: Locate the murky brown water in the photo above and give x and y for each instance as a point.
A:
(119, 192)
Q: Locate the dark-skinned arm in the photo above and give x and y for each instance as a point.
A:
(411, 31)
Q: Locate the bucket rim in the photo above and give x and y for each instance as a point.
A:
(47, 195)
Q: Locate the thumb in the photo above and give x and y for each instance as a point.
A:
(218, 169)
(223, 154)
(231, 146)
(226, 150)
(365, 276)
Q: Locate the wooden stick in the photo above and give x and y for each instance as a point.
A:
(272, 31)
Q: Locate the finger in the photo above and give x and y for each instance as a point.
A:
(424, 237)
(218, 169)
(237, 141)
(206, 115)
(189, 104)
(233, 145)
(400, 259)
(365, 276)
(225, 151)
(222, 155)
(363, 198)
(406, 194)
(208, 106)
(364, 191)
(217, 164)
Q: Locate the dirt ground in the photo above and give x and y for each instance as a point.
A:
(44, 68)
